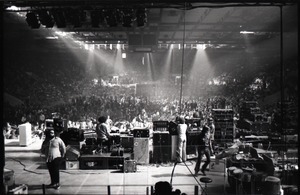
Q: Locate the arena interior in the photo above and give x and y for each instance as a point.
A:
(147, 68)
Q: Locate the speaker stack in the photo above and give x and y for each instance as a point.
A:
(160, 125)
(60, 125)
(141, 146)
(161, 147)
(224, 127)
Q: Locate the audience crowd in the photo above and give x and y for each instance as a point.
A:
(79, 98)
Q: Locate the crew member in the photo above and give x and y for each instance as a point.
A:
(103, 136)
(211, 126)
(181, 147)
(54, 149)
(203, 148)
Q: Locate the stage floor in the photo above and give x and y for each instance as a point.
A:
(30, 169)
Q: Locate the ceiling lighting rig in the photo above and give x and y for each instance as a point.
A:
(141, 17)
(111, 17)
(96, 18)
(59, 18)
(45, 18)
(127, 17)
(32, 20)
(76, 17)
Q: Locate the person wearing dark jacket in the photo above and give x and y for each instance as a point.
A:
(203, 149)
(102, 131)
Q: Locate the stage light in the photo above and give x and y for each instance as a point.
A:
(32, 20)
(45, 18)
(13, 8)
(201, 46)
(59, 18)
(141, 17)
(246, 32)
(96, 18)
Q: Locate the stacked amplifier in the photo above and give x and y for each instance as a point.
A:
(248, 109)
(141, 146)
(224, 128)
(251, 113)
(290, 114)
(161, 147)
(162, 144)
(160, 125)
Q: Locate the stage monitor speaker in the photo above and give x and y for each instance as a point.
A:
(161, 147)
(72, 153)
(129, 166)
(141, 150)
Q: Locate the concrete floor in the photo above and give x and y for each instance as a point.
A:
(30, 169)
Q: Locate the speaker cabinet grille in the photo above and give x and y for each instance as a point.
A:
(141, 150)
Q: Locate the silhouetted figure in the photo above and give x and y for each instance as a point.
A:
(203, 148)
(162, 188)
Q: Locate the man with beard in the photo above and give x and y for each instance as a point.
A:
(54, 149)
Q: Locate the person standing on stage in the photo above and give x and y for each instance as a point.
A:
(211, 126)
(203, 148)
(54, 149)
(102, 131)
(142, 117)
(181, 147)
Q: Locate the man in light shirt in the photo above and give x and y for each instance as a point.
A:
(54, 149)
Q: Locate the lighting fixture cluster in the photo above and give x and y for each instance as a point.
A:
(126, 17)
(60, 17)
(96, 17)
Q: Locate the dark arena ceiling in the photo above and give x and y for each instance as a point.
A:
(241, 39)
(155, 23)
